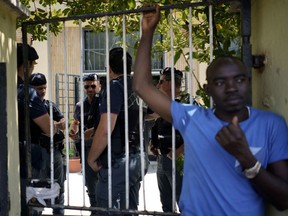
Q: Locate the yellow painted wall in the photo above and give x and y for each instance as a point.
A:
(8, 55)
(269, 37)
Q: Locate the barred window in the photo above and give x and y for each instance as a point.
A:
(94, 50)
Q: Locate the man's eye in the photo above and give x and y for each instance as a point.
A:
(240, 79)
(219, 83)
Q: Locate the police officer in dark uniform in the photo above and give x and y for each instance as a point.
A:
(91, 119)
(39, 123)
(38, 81)
(161, 145)
(97, 158)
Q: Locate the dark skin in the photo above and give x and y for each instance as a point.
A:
(228, 85)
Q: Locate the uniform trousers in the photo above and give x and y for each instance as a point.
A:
(118, 182)
(164, 179)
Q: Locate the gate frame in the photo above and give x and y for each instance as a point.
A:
(246, 55)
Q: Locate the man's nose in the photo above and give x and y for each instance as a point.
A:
(231, 86)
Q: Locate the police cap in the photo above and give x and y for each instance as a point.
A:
(32, 54)
(90, 77)
(37, 79)
(177, 74)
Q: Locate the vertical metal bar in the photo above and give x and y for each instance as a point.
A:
(173, 98)
(27, 141)
(211, 33)
(4, 194)
(108, 115)
(82, 110)
(126, 113)
(57, 89)
(76, 89)
(50, 111)
(211, 41)
(141, 135)
(190, 56)
(66, 101)
(246, 52)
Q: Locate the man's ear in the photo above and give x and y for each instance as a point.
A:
(206, 89)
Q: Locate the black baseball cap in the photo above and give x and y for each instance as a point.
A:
(177, 74)
(90, 77)
(37, 79)
(32, 54)
(167, 71)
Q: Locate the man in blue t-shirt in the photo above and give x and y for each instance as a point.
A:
(97, 157)
(235, 155)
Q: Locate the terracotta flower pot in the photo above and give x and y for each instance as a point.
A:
(74, 165)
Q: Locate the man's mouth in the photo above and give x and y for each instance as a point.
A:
(233, 100)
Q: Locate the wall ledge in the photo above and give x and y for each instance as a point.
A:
(17, 7)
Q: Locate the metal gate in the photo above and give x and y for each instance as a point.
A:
(68, 84)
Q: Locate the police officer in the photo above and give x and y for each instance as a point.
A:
(91, 115)
(97, 158)
(161, 145)
(38, 81)
(39, 123)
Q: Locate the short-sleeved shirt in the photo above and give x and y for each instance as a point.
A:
(57, 114)
(213, 180)
(36, 108)
(116, 97)
(117, 107)
(88, 109)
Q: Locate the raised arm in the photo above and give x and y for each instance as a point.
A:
(142, 79)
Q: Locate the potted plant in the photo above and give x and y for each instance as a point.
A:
(74, 159)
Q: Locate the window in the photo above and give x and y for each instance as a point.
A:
(95, 45)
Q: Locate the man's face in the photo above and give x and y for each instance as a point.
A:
(31, 65)
(165, 86)
(41, 91)
(229, 87)
(90, 88)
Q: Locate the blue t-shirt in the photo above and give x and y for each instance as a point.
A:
(213, 182)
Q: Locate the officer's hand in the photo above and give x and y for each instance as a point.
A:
(94, 165)
(154, 149)
(61, 124)
(233, 140)
(88, 134)
(73, 134)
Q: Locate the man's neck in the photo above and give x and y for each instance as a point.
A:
(242, 115)
(20, 73)
(116, 76)
(90, 99)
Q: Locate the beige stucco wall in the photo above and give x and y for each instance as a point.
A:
(8, 14)
(269, 35)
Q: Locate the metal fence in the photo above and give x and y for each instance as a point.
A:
(68, 91)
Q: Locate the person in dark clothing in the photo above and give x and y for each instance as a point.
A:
(91, 115)
(38, 81)
(39, 124)
(161, 144)
(97, 157)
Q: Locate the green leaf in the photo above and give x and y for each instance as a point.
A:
(177, 56)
